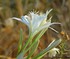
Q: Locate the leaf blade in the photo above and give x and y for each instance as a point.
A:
(51, 45)
(20, 41)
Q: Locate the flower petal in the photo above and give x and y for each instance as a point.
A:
(53, 29)
(47, 12)
(16, 18)
(41, 28)
(36, 20)
(53, 52)
(46, 25)
(25, 20)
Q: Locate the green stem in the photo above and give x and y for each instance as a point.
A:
(30, 38)
(37, 38)
(23, 49)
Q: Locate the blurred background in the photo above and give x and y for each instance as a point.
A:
(9, 29)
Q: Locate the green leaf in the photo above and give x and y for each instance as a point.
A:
(35, 40)
(20, 56)
(20, 41)
(53, 44)
(28, 41)
(33, 49)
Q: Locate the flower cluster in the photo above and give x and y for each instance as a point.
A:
(36, 22)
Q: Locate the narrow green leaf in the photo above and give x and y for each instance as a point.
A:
(51, 45)
(33, 49)
(35, 40)
(20, 41)
(20, 56)
(28, 41)
(24, 47)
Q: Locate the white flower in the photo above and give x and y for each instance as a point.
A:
(36, 22)
(53, 52)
